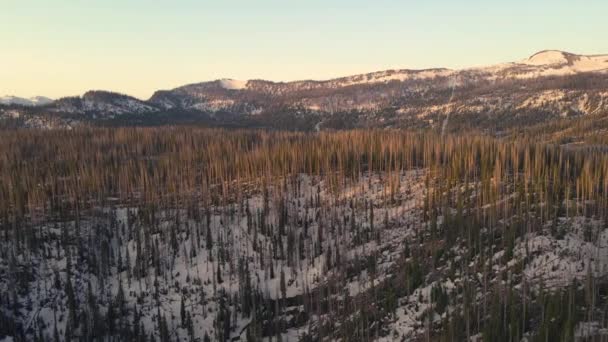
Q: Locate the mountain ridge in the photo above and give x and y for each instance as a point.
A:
(234, 84)
(32, 101)
(421, 73)
(547, 85)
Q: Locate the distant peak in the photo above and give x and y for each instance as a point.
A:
(550, 57)
(32, 101)
(105, 95)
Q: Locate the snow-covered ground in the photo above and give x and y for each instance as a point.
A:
(273, 250)
(177, 265)
(557, 262)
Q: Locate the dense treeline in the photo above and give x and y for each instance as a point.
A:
(42, 168)
(589, 131)
(209, 209)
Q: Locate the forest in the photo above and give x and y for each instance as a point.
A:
(181, 233)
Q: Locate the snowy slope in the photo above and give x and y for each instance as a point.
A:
(191, 272)
(32, 101)
(233, 84)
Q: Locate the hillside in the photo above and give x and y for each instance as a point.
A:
(181, 233)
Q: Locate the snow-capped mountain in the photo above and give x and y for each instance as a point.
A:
(547, 85)
(32, 101)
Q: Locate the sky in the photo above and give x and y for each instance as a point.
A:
(61, 48)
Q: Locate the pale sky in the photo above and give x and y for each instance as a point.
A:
(65, 47)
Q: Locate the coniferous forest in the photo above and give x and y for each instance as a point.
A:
(194, 234)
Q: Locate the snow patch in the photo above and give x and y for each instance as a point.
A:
(233, 84)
